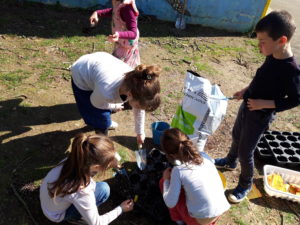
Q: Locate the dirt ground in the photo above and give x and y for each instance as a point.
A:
(38, 115)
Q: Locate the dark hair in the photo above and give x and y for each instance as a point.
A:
(173, 141)
(86, 151)
(144, 86)
(277, 24)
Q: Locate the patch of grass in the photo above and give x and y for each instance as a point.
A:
(237, 210)
(13, 79)
(46, 75)
(167, 69)
(290, 218)
(125, 154)
(205, 68)
(47, 42)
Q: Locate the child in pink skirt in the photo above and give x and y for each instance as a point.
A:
(125, 33)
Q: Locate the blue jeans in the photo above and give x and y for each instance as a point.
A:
(96, 118)
(101, 194)
(247, 130)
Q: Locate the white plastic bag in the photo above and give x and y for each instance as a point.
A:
(202, 109)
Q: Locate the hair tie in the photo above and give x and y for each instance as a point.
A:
(146, 76)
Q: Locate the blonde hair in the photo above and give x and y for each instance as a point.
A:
(144, 86)
(86, 151)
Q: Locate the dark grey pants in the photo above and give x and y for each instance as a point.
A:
(247, 130)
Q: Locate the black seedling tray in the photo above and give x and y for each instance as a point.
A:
(145, 184)
(263, 150)
(285, 147)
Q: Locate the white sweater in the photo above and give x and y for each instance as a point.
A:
(103, 74)
(84, 201)
(203, 188)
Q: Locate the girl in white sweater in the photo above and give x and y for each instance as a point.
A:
(69, 193)
(193, 190)
(101, 85)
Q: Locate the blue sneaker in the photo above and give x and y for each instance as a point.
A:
(222, 163)
(238, 194)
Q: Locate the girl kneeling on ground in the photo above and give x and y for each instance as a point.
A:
(193, 191)
(68, 192)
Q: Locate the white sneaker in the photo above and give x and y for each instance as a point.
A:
(113, 125)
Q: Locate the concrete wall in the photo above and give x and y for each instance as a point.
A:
(233, 15)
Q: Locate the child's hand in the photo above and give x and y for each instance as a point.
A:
(167, 174)
(113, 37)
(94, 19)
(140, 138)
(127, 205)
(240, 94)
(257, 104)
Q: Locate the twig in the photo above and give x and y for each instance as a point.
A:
(196, 44)
(57, 68)
(187, 62)
(93, 48)
(20, 164)
(31, 49)
(23, 203)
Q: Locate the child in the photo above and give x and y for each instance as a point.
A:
(193, 190)
(68, 192)
(125, 33)
(102, 83)
(275, 88)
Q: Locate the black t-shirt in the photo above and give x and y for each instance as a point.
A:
(278, 80)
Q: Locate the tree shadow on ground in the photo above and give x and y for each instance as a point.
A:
(46, 21)
(16, 119)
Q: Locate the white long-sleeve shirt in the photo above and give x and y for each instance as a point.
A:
(103, 74)
(84, 201)
(203, 188)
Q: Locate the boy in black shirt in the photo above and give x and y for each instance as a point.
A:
(275, 88)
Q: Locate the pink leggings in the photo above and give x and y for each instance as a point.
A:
(180, 211)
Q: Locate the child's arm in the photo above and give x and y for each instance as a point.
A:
(257, 104)
(139, 120)
(172, 188)
(129, 16)
(240, 94)
(94, 19)
(85, 204)
(292, 98)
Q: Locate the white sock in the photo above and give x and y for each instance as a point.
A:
(179, 222)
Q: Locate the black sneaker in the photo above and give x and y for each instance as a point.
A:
(222, 163)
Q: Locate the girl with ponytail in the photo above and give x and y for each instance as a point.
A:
(102, 84)
(69, 193)
(193, 190)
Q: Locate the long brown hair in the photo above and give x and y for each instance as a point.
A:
(174, 142)
(86, 151)
(144, 86)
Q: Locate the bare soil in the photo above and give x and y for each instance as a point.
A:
(38, 115)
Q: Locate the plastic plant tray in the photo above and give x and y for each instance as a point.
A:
(263, 150)
(288, 176)
(285, 146)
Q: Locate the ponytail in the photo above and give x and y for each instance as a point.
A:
(177, 143)
(85, 152)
